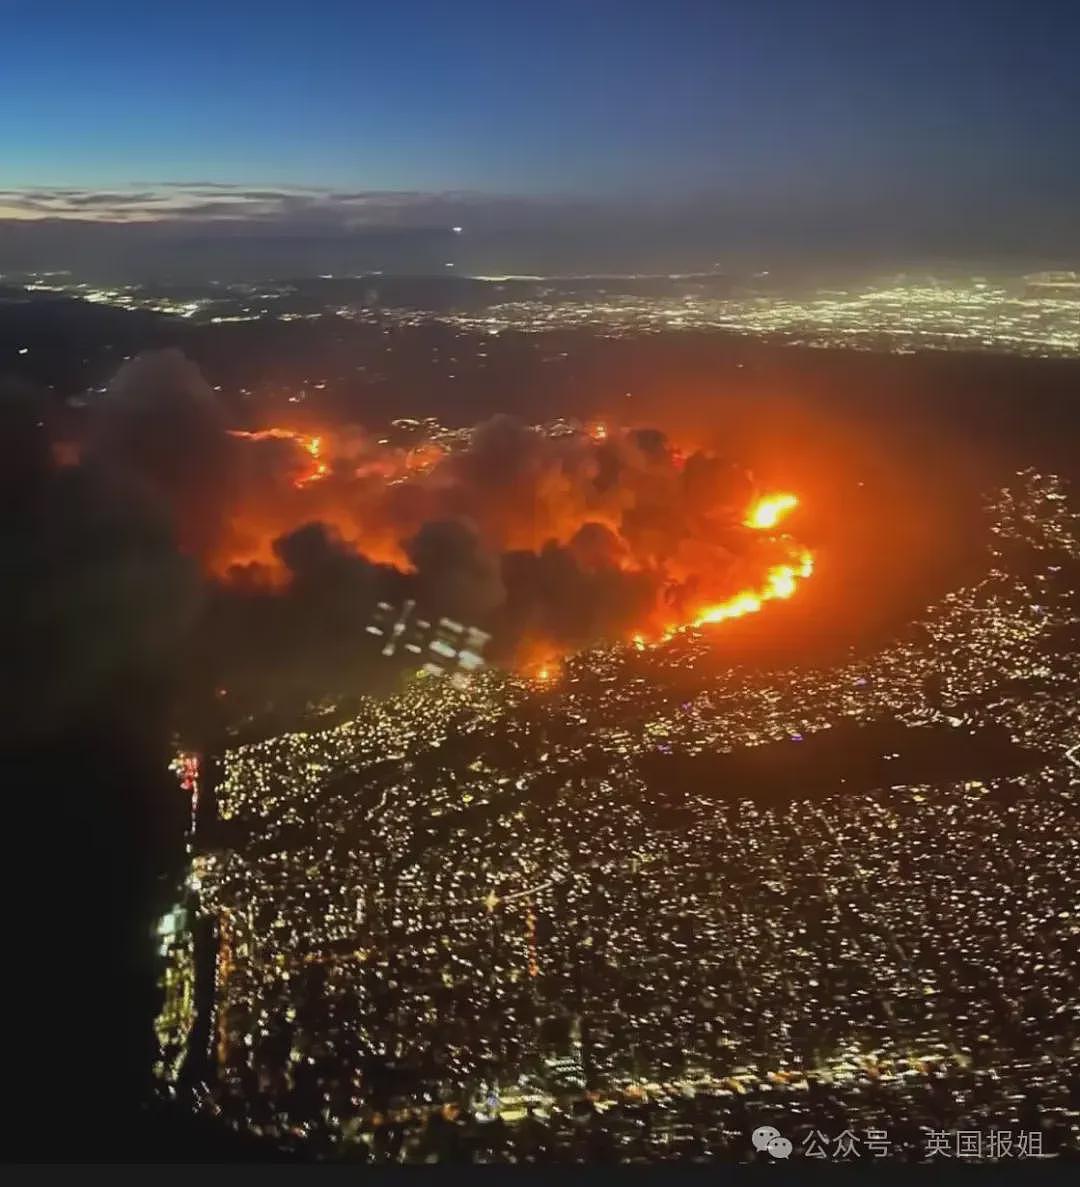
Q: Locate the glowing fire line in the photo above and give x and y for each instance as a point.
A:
(781, 581)
(310, 445)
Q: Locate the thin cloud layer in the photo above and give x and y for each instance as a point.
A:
(186, 202)
(205, 228)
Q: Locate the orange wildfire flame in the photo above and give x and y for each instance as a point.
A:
(314, 446)
(792, 563)
(540, 663)
(310, 445)
(781, 581)
(768, 511)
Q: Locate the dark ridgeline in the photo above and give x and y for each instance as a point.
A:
(853, 759)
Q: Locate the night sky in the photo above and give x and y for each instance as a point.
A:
(914, 125)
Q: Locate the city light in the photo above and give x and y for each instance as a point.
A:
(484, 857)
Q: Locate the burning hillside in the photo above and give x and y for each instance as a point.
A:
(548, 538)
(622, 507)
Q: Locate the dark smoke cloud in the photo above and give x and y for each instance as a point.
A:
(162, 428)
(560, 541)
(97, 606)
(555, 597)
(96, 595)
(454, 571)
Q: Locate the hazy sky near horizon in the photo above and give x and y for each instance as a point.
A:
(831, 112)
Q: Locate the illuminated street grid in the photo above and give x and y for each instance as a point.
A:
(439, 923)
(903, 314)
(901, 317)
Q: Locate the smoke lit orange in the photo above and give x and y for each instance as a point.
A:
(310, 445)
(378, 497)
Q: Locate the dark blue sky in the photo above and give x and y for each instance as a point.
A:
(832, 107)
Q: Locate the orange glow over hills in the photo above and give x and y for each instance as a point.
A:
(374, 498)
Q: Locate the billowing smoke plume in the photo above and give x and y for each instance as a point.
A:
(547, 541)
(161, 427)
(97, 596)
